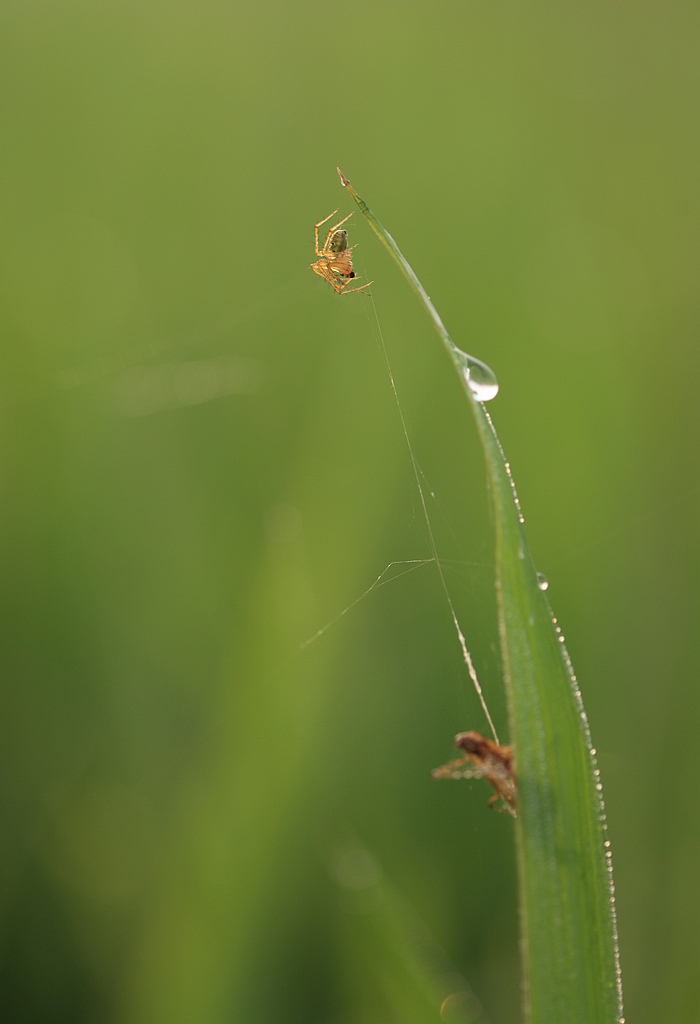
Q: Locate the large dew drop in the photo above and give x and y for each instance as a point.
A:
(480, 378)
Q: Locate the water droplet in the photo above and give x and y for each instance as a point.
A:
(542, 581)
(480, 378)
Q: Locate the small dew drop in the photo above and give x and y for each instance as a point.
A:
(542, 581)
(480, 378)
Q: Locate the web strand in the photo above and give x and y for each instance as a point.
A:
(418, 473)
(414, 563)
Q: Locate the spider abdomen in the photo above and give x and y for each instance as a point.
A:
(339, 241)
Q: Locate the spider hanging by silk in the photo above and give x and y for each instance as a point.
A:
(334, 263)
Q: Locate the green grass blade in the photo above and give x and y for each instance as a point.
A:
(569, 935)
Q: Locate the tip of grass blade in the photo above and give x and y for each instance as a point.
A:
(343, 180)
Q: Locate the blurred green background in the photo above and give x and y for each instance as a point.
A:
(202, 464)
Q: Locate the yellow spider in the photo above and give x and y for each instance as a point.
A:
(334, 262)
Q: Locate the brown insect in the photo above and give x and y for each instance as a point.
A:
(491, 761)
(334, 262)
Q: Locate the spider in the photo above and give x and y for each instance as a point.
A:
(491, 761)
(334, 262)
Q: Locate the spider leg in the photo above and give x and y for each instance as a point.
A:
(339, 224)
(323, 270)
(505, 808)
(339, 284)
(327, 218)
(346, 291)
(317, 226)
(445, 770)
(327, 242)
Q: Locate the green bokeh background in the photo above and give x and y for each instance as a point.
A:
(201, 464)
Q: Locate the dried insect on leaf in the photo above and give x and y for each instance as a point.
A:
(490, 761)
(334, 263)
